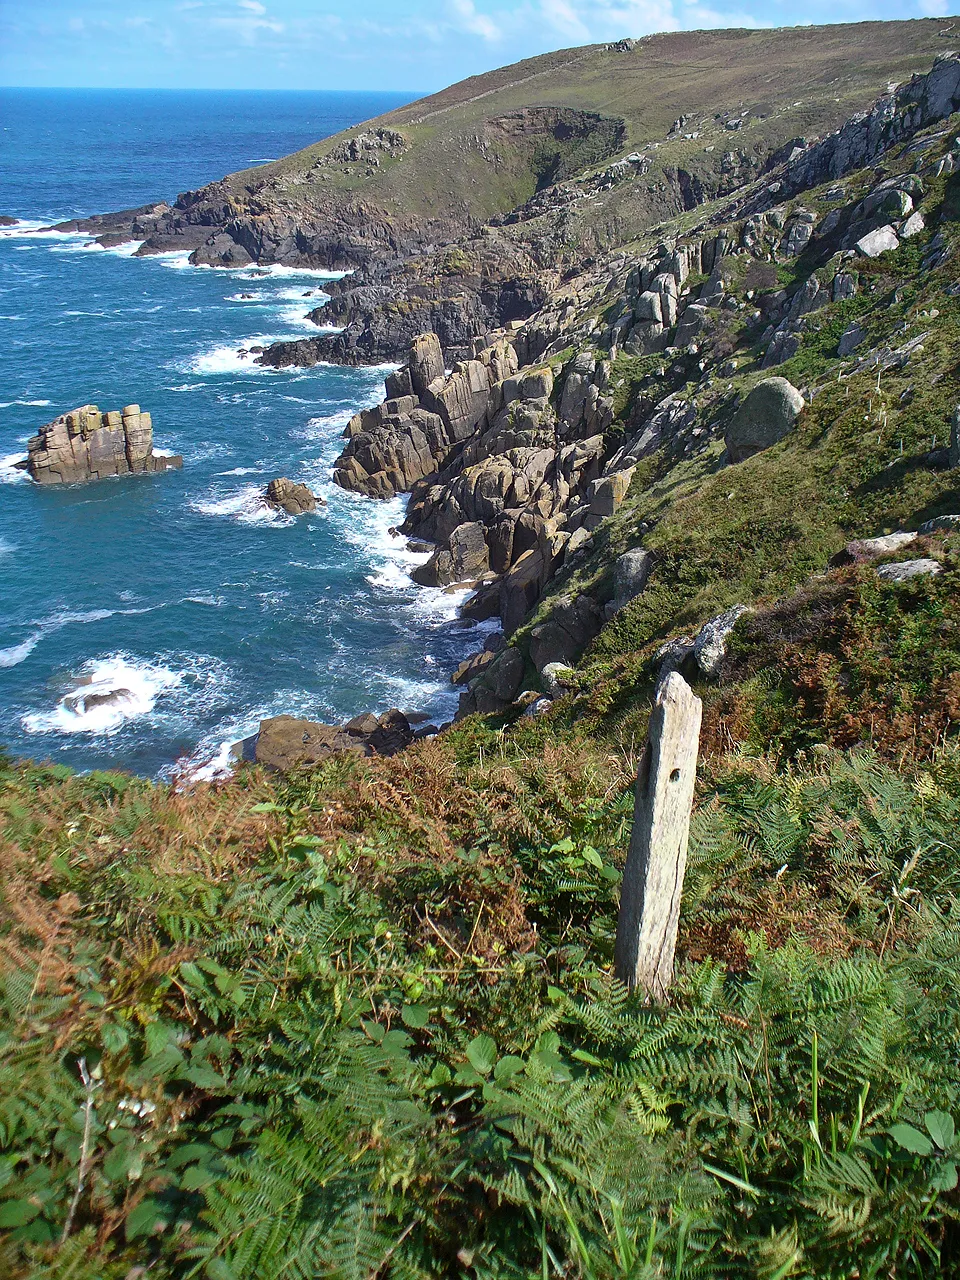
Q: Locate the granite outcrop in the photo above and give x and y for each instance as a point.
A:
(85, 445)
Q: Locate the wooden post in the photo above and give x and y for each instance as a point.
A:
(653, 876)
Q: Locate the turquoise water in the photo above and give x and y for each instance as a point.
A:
(183, 589)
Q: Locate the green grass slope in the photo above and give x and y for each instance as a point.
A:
(789, 81)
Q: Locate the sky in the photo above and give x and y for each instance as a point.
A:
(405, 45)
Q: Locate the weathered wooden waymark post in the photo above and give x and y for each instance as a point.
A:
(653, 876)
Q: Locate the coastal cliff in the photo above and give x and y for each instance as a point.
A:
(464, 211)
(518, 459)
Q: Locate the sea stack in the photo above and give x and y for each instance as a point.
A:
(86, 444)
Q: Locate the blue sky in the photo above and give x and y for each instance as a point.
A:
(351, 44)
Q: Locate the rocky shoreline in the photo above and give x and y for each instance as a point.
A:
(548, 374)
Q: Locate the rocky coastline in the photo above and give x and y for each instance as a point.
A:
(509, 445)
(557, 358)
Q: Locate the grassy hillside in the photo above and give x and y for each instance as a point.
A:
(790, 82)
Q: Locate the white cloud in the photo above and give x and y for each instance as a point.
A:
(477, 24)
(562, 17)
(254, 6)
(934, 8)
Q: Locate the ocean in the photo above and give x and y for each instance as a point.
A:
(184, 589)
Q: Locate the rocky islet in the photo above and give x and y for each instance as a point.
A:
(85, 444)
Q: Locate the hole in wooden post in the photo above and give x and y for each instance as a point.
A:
(675, 775)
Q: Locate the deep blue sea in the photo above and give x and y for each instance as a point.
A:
(183, 588)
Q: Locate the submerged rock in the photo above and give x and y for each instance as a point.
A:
(86, 444)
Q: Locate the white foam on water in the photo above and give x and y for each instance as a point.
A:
(164, 453)
(126, 249)
(7, 404)
(176, 259)
(37, 230)
(18, 653)
(10, 473)
(109, 692)
(327, 427)
(189, 386)
(276, 269)
(233, 358)
(243, 471)
(7, 548)
(245, 505)
(297, 316)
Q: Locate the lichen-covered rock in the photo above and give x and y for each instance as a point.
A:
(906, 569)
(572, 623)
(86, 444)
(554, 678)
(295, 499)
(630, 574)
(850, 339)
(766, 416)
(941, 524)
(710, 646)
(866, 549)
(881, 240)
(496, 688)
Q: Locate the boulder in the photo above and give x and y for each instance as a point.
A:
(520, 588)
(284, 742)
(941, 524)
(463, 560)
(605, 495)
(553, 678)
(295, 499)
(483, 604)
(865, 549)
(881, 240)
(561, 637)
(398, 383)
(710, 646)
(630, 574)
(497, 687)
(766, 416)
(850, 339)
(425, 363)
(673, 655)
(906, 569)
